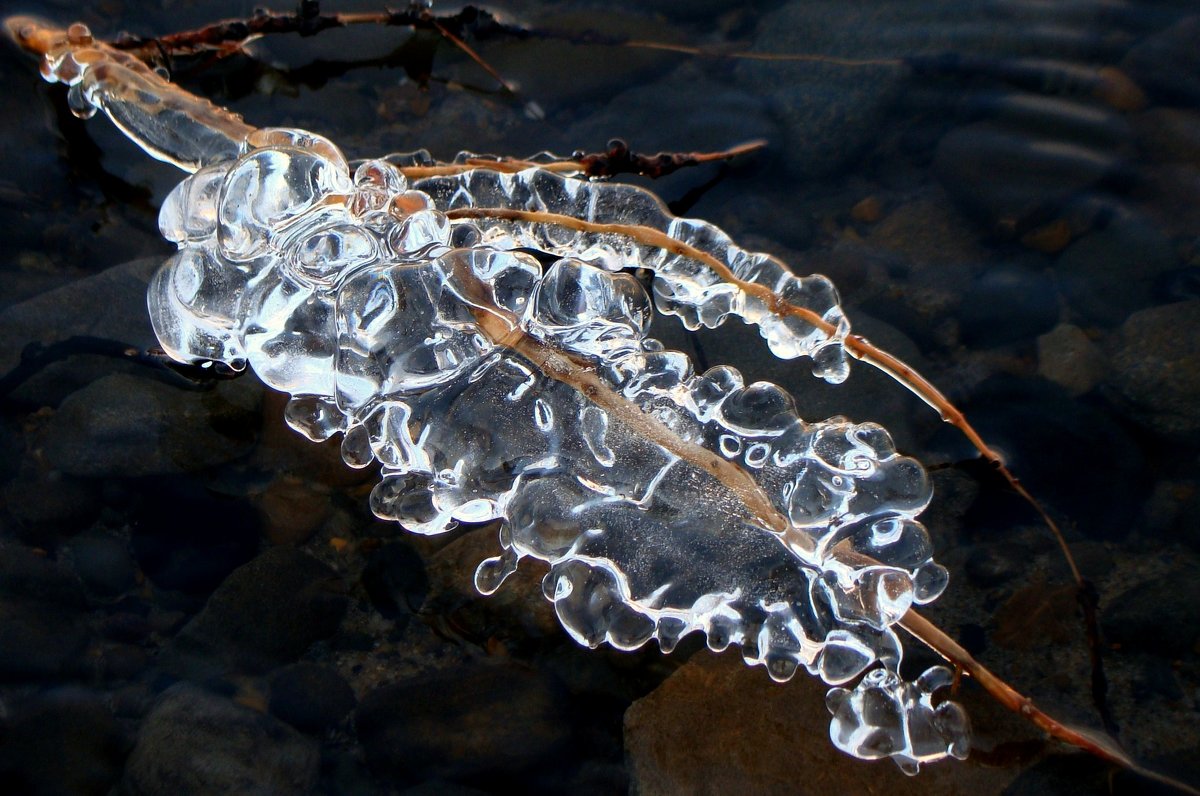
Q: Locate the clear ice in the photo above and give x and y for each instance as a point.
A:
(470, 371)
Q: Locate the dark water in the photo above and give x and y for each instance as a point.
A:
(192, 599)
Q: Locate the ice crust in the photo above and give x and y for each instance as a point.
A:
(351, 290)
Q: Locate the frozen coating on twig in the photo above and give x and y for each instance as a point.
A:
(665, 502)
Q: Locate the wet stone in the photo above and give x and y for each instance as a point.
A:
(1045, 435)
(664, 116)
(578, 74)
(27, 575)
(40, 641)
(1003, 176)
(994, 564)
(120, 661)
(1178, 284)
(266, 613)
(310, 697)
(1181, 765)
(1156, 679)
(1170, 135)
(1060, 774)
(103, 563)
(49, 503)
(829, 113)
(1067, 356)
(1112, 272)
(43, 628)
(65, 741)
(1165, 64)
(928, 231)
(395, 581)
(110, 305)
(1136, 618)
(482, 723)
(11, 446)
(187, 539)
(293, 509)
(196, 742)
(128, 426)
(1156, 367)
(1005, 304)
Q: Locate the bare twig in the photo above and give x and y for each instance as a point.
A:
(618, 159)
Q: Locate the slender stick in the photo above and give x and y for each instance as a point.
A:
(618, 159)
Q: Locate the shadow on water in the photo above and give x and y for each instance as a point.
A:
(1007, 194)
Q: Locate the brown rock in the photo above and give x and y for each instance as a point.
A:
(717, 726)
(869, 210)
(293, 509)
(929, 231)
(517, 611)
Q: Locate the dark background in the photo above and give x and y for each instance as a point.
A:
(194, 599)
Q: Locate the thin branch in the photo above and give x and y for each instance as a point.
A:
(858, 347)
(618, 159)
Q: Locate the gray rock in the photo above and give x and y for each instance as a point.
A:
(684, 111)
(1067, 356)
(43, 628)
(1169, 135)
(395, 580)
(27, 575)
(127, 426)
(110, 305)
(1156, 367)
(1004, 174)
(832, 110)
(48, 503)
(996, 563)
(265, 614)
(40, 641)
(933, 238)
(1160, 615)
(188, 538)
(310, 697)
(63, 742)
(103, 562)
(517, 613)
(829, 112)
(197, 742)
(1112, 272)
(1005, 304)
(1166, 63)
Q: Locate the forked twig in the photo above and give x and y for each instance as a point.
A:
(617, 159)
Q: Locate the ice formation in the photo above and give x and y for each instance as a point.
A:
(491, 384)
